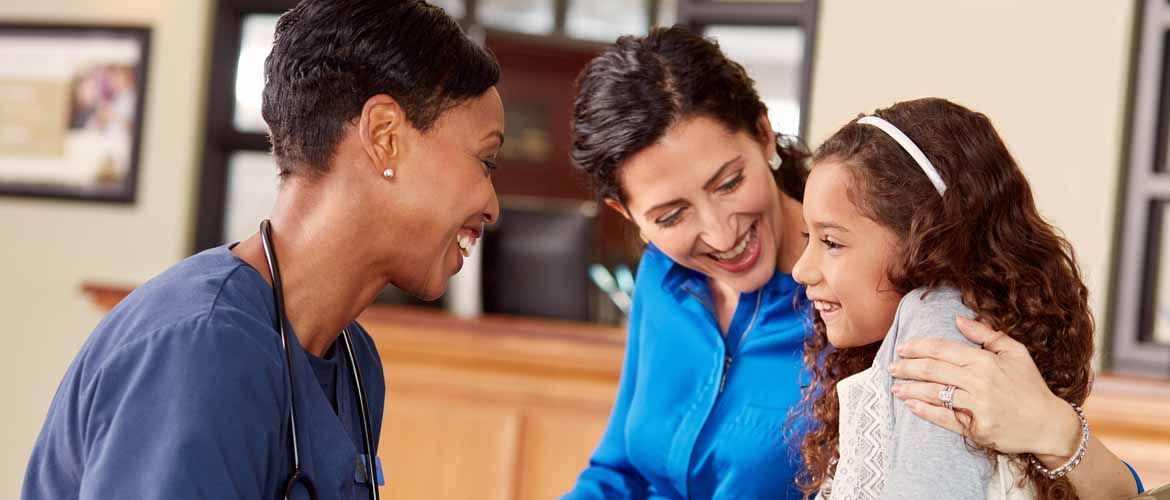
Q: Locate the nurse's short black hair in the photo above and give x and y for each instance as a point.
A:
(330, 56)
(631, 94)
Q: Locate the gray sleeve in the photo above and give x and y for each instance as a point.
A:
(928, 461)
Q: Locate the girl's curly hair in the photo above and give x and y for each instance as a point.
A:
(984, 237)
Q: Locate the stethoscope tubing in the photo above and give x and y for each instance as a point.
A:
(367, 430)
(278, 299)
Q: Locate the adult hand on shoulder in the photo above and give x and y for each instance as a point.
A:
(1001, 401)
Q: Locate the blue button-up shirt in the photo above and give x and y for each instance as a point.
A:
(698, 414)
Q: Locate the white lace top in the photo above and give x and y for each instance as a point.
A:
(886, 452)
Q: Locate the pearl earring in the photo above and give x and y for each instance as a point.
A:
(775, 161)
(388, 173)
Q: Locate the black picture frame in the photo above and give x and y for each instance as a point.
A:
(104, 111)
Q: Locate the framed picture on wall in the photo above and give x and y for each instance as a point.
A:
(71, 100)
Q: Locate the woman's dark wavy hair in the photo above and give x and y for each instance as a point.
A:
(330, 56)
(984, 237)
(631, 94)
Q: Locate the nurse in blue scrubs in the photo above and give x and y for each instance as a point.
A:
(673, 136)
(385, 161)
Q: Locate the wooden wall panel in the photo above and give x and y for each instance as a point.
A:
(442, 450)
(544, 388)
(551, 452)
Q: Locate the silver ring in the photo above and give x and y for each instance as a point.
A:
(947, 396)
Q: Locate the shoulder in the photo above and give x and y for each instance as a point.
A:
(210, 310)
(931, 313)
(649, 289)
(204, 284)
(210, 297)
(224, 344)
(932, 297)
(202, 366)
(201, 376)
(653, 266)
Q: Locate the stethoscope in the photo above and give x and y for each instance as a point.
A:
(298, 476)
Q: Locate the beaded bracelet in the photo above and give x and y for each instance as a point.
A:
(1073, 462)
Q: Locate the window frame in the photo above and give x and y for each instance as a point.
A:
(699, 14)
(1145, 184)
(222, 139)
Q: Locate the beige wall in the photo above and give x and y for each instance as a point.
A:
(50, 247)
(1051, 75)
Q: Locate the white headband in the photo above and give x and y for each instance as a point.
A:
(911, 148)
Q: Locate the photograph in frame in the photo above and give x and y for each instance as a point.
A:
(71, 100)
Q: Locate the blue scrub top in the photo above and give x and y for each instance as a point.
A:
(180, 393)
(673, 432)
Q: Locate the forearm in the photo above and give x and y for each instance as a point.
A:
(1100, 475)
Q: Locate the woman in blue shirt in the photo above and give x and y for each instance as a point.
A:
(713, 362)
(674, 137)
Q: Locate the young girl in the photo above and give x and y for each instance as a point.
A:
(916, 216)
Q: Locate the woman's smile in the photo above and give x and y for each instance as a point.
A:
(743, 256)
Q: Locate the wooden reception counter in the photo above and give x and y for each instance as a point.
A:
(495, 408)
(501, 408)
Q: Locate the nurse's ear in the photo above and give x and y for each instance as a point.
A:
(381, 128)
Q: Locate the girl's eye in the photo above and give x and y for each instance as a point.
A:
(670, 219)
(830, 244)
(731, 184)
(490, 165)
